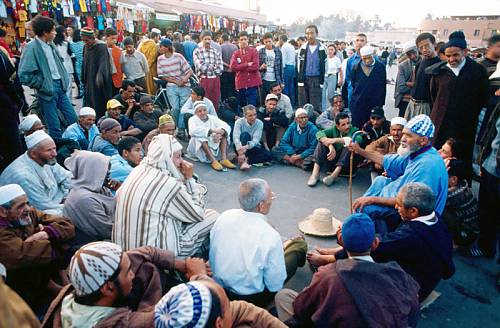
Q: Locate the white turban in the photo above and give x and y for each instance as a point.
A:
(398, 120)
(155, 30)
(409, 46)
(28, 122)
(35, 138)
(10, 192)
(300, 111)
(86, 111)
(367, 51)
(198, 104)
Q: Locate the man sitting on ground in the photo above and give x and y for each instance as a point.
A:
(354, 292)
(128, 98)
(84, 130)
(32, 245)
(275, 122)
(230, 111)
(129, 156)
(448, 150)
(111, 287)
(416, 161)
(298, 143)
(45, 182)
(284, 103)
(332, 154)
(166, 125)
(377, 126)
(147, 118)
(246, 136)
(249, 268)
(114, 110)
(209, 135)
(327, 119)
(187, 110)
(106, 142)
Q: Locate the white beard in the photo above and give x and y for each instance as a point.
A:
(405, 150)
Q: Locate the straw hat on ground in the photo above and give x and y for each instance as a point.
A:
(320, 223)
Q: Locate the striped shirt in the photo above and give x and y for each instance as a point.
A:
(207, 62)
(175, 66)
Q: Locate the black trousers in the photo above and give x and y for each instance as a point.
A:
(402, 108)
(227, 87)
(489, 207)
(342, 159)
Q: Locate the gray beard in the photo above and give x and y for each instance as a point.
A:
(52, 162)
(405, 150)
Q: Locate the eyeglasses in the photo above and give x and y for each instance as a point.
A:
(273, 196)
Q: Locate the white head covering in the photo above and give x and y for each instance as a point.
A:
(300, 111)
(86, 111)
(185, 305)
(409, 46)
(398, 120)
(28, 122)
(367, 51)
(93, 265)
(160, 153)
(155, 30)
(421, 125)
(9, 192)
(199, 103)
(35, 138)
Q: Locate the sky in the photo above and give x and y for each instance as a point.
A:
(399, 13)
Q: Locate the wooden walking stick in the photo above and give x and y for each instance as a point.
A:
(351, 164)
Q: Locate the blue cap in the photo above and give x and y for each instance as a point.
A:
(166, 42)
(421, 125)
(358, 233)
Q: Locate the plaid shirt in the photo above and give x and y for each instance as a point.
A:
(278, 63)
(207, 62)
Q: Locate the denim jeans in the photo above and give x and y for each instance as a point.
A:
(49, 109)
(329, 87)
(177, 97)
(247, 96)
(290, 87)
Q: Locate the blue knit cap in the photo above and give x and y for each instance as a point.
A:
(166, 42)
(457, 39)
(358, 233)
(421, 125)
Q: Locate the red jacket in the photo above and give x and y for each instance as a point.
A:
(246, 76)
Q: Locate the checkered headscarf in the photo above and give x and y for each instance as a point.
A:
(421, 125)
(185, 305)
(93, 265)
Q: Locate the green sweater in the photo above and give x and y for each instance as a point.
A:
(333, 132)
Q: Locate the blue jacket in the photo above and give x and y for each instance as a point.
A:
(120, 168)
(75, 132)
(99, 145)
(303, 143)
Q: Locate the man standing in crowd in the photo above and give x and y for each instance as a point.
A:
(289, 62)
(189, 46)
(459, 90)
(42, 69)
(360, 41)
(405, 79)
(228, 76)
(208, 66)
(111, 37)
(97, 72)
(245, 62)
(368, 81)
(270, 66)
(312, 56)
(134, 64)
(149, 48)
(420, 102)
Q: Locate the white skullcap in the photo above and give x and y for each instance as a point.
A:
(155, 30)
(198, 104)
(398, 120)
(86, 111)
(35, 138)
(9, 192)
(28, 122)
(93, 265)
(300, 111)
(409, 46)
(367, 51)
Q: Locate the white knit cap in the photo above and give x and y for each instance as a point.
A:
(86, 111)
(409, 46)
(155, 30)
(35, 138)
(367, 51)
(398, 120)
(199, 103)
(93, 265)
(300, 111)
(28, 122)
(9, 192)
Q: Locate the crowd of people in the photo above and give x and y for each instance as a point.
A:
(103, 220)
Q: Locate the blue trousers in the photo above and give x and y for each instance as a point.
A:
(247, 96)
(49, 109)
(290, 87)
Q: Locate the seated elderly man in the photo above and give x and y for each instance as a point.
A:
(422, 245)
(45, 182)
(298, 143)
(176, 308)
(284, 103)
(113, 288)
(377, 126)
(84, 130)
(106, 142)
(209, 136)
(275, 121)
(332, 154)
(327, 119)
(356, 291)
(246, 136)
(129, 156)
(416, 161)
(387, 144)
(166, 125)
(90, 203)
(249, 268)
(32, 245)
(114, 110)
(147, 118)
(161, 196)
(187, 110)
